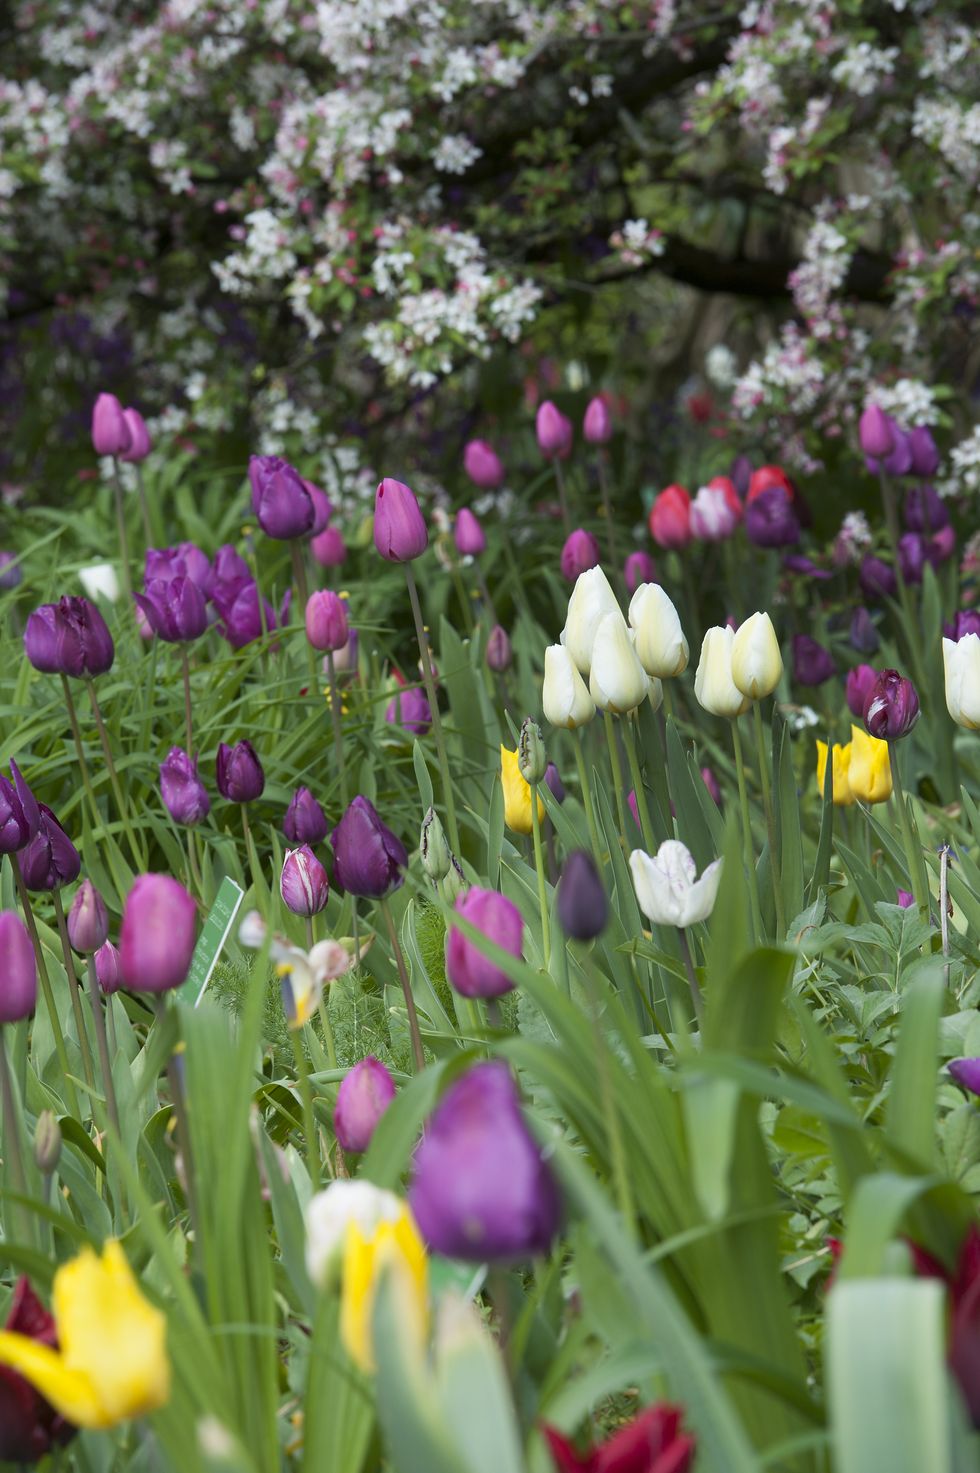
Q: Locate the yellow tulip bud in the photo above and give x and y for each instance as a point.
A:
(756, 661)
(396, 1247)
(842, 795)
(870, 773)
(517, 795)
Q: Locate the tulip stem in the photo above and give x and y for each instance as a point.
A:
(306, 1096)
(193, 865)
(465, 602)
(121, 529)
(186, 669)
(80, 751)
(12, 1150)
(542, 882)
(42, 971)
(692, 976)
(485, 592)
(74, 992)
(182, 1126)
(743, 802)
(642, 807)
(583, 779)
(562, 497)
(908, 840)
(105, 1064)
(338, 733)
(299, 575)
(430, 691)
(413, 1017)
(114, 776)
(774, 864)
(607, 508)
(144, 506)
(617, 776)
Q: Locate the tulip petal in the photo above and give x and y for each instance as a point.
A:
(70, 1392)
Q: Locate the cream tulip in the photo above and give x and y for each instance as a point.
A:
(660, 644)
(756, 661)
(617, 682)
(666, 888)
(592, 599)
(961, 662)
(713, 683)
(565, 698)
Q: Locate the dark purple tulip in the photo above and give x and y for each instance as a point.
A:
(893, 706)
(329, 548)
(582, 907)
(69, 638)
(597, 426)
(483, 466)
(904, 898)
(966, 1072)
(11, 574)
(139, 445)
(711, 783)
(184, 795)
(771, 520)
(812, 664)
(899, 462)
(18, 975)
(911, 556)
(303, 883)
(797, 562)
(364, 1095)
(639, 568)
(468, 535)
(966, 621)
(481, 1190)
(156, 938)
(857, 689)
(400, 533)
(740, 474)
(877, 579)
(925, 455)
(230, 566)
(410, 708)
(368, 858)
(941, 546)
(30, 1428)
(305, 821)
(176, 611)
(876, 432)
(499, 651)
(108, 969)
(555, 785)
(470, 972)
(239, 773)
(17, 822)
(579, 554)
(280, 500)
(186, 560)
(925, 510)
(239, 614)
(326, 620)
(110, 432)
(88, 920)
(554, 431)
(50, 859)
(863, 634)
(322, 508)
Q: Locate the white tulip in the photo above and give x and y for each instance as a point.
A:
(713, 683)
(756, 661)
(330, 1213)
(617, 681)
(565, 698)
(100, 581)
(666, 889)
(592, 599)
(660, 642)
(961, 662)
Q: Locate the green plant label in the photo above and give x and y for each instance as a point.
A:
(214, 934)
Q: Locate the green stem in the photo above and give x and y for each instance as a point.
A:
(12, 1150)
(607, 508)
(114, 776)
(616, 767)
(542, 882)
(413, 1017)
(74, 992)
(430, 691)
(186, 670)
(617, 1150)
(629, 740)
(299, 576)
(909, 843)
(774, 864)
(338, 734)
(743, 800)
(121, 531)
(144, 506)
(182, 1126)
(46, 989)
(692, 976)
(251, 851)
(465, 603)
(587, 796)
(306, 1096)
(193, 865)
(80, 752)
(562, 497)
(105, 1065)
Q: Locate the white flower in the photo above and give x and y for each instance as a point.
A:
(100, 580)
(666, 888)
(329, 1215)
(303, 974)
(660, 644)
(592, 599)
(713, 683)
(565, 698)
(961, 661)
(757, 663)
(617, 680)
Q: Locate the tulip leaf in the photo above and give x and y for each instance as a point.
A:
(911, 1114)
(474, 1393)
(339, 1414)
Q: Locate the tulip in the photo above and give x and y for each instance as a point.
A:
(711, 783)
(660, 644)
(156, 938)
(326, 620)
(925, 510)
(468, 535)
(713, 684)
(869, 772)
(666, 889)
(904, 898)
(565, 698)
(470, 972)
(229, 566)
(186, 560)
(305, 821)
(740, 473)
(239, 773)
(857, 689)
(111, 1362)
(303, 883)
(899, 462)
(617, 680)
(68, 638)
(651, 1443)
(555, 785)
(892, 707)
(11, 573)
(322, 507)
(581, 903)
(767, 478)
(639, 568)
(580, 552)
(345, 660)
(280, 500)
(108, 968)
(434, 850)
(592, 598)
(670, 518)
(713, 518)
(482, 464)
(863, 634)
(876, 432)
(100, 581)
(330, 1213)
(961, 664)
(329, 548)
(481, 1189)
(20, 817)
(597, 426)
(364, 1095)
(368, 859)
(517, 795)
(911, 557)
(50, 859)
(29, 1426)
(140, 444)
(941, 546)
(499, 651)
(110, 432)
(240, 613)
(184, 795)
(797, 562)
(18, 975)
(840, 769)
(812, 663)
(410, 708)
(757, 664)
(88, 920)
(394, 1248)
(925, 455)
(175, 610)
(400, 533)
(554, 431)
(877, 579)
(532, 759)
(771, 519)
(966, 1072)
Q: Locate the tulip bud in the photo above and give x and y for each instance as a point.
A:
(468, 535)
(869, 773)
(328, 547)
(326, 621)
(453, 884)
(670, 518)
(499, 652)
(906, 900)
(110, 432)
(68, 638)
(303, 883)
(108, 969)
(660, 644)
(876, 432)
(175, 610)
(863, 634)
(892, 707)
(139, 437)
(639, 568)
(740, 473)
(911, 557)
(47, 1143)
(554, 431)
(369, 860)
(330, 1214)
(156, 938)
(713, 684)
(433, 847)
(925, 456)
(757, 664)
(532, 759)
(877, 579)
(925, 510)
(565, 698)
(184, 795)
(364, 1095)
(767, 478)
(305, 821)
(20, 817)
(410, 708)
(345, 660)
(580, 552)
(666, 889)
(400, 533)
(11, 573)
(711, 783)
(812, 664)
(280, 500)
(961, 665)
(771, 519)
(322, 507)
(50, 859)
(18, 970)
(555, 785)
(713, 518)
(582, 907)
(482, 464)
(617, 680)
(239, 773)
(899, 462)
(597, 425)
(88, 920)
(470, 972)
(100, 581)
(592, 598)
(857, 689)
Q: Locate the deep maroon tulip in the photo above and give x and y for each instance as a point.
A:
(400, 533)
(280, 500)
(468, 535)
(329, 548)
(184, 795)
(410, 708)
(239, 773)
(857, 689)
(176, 611)
(877, 579)
(11, 573)
(30, 1428)
(481, 1190)
(88, 920)
(597, 426)
(925, 510)
(892, 707)
(326, 620)
(50, 859)
(108, 969)
(139, 445)
(369, 860)
(876, 432)
(771, 520)
(581, 552)
(470, 972)
(925, 455)
(639, 568)
(322, 507)
(554, 431)
(499, 651)
(582, 906)
(904, 898)
(653, 1442)
(966, 621)
(863, 634)
(364, 1095)
(812, 664)
(305, 821)
(966, 1072)
(483, 465)
(303, 883)
(555, 785)
(711, 783)
(156, 938)
(69, 638)
(110, 432)
(18, 978)
(240, 613)
(911, 556)
(740, 474)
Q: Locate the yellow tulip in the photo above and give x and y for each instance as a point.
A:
(395, 1247)
(517, 795)
(112, 1362)
(870, 773)
(843, 797)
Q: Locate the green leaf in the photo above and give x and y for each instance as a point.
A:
(911, 1111)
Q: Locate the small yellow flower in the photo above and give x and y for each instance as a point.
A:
(870, 772)
(517, 795)
(843, 797)
(394, 1247)
(112, 1362)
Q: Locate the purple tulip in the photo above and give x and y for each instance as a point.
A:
(799, 563)
(303, 883)
(470, 972)
(229, 565)
(50, 859)
(892, 707)
(329, 548)
(139, 437)
(904, 898)
(69, 638)
(966, 621)
(481, 1190)
(110, 432)
(176, 610)
(156, 938)
(499, 651)
(326, 620)
(239, 773)
(18, 970)
(240, 613)
(184, 795)
(857, 689)
(863, 634)
(639, 568)
(483, 466)
(597, 426)
(554, 431)
(20, 816)
(877, 579)
(712, 516)
(305, 821)
(364, 1095)
(740, 475)
(911, 556)
(280, 500)
(108, 969)
(322, 507)
(11, 573)
(941, 546)
(88, 919)
(812, 664)
(711, 783)
(876, 432)
(410, 708)
(925, 510)
(925, 455)
(400, 533)
(469, 536)
(368, 858)
(555, 785)
(899, 462)
(581, 552)
(186, 560)
(581, 902)
(771, 520)
(966, 1072)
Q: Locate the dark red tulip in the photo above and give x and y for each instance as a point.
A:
(653, 1442)
(30, 1428)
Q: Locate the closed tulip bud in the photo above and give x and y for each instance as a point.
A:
(580, 552)
(532, 760)
(410, 709)
(812, 664)
(483, 466)
(280, 500)
(876, 432)
(239, 773)
(329, 548)
(139, 445)
(565, 698)
(654, 1441)
(184, 795)
(961, 664)
(369, 860)
(470, 972)
(11, 573)
(841, 794)
(869, 772)
(186, 560)
(240, 612)
(617, 680)
(660, 644)
(892, 707)
(20, 816)
(18, 971)
(925, 510)
(500, 655)
(899, 462)
(50, 859)
(88, 920)
(229, 565)
(555, 785)
(108, 969)
(305, 821)
(597, 426)
(481, 1190)
(877, 579)
(434, 847)
(911, 557)
(925, 456)
(966, 1072)
(322, 507)
(554, 431)
(863, 634)
(175, 610)
(771, 519)
(400, 533)
(326, 620)
(47, 1143)
(453, 884)
(592, 598)
(768, 477)
(303, 883)
(110, 432)
(69, 638)
(666, 889)
(156, 938)
(713, 684)
(857, 689)
(364, 1095)
(941, 546)
(639, 568)
(670, 518)
(904, 898)
(468, 535)
(517, 794)
(100, 581)
(757, 664)
(713, 518)
(582, 906)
